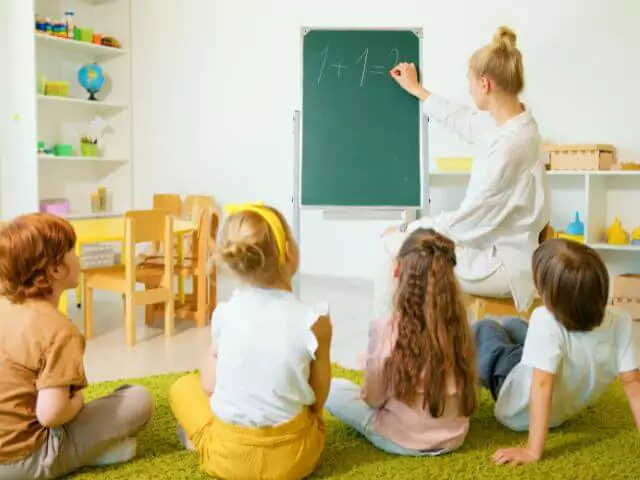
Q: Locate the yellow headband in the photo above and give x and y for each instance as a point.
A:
(272, 219)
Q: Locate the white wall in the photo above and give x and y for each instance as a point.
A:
(215, 84)
(19, 175)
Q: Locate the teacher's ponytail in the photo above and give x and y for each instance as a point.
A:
(500, 61)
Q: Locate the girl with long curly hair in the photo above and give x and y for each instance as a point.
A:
(420, 383)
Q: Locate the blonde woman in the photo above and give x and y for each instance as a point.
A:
(255, 410)
(496, 227)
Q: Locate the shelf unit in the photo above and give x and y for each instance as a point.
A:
(96, 52)
(599, 196)
(103, 107)
(60, 158)
(66, 119)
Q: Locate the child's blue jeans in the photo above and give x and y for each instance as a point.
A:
(344, 402)
(499, 349)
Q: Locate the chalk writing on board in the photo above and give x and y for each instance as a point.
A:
(324, 54)
(395, 53)
(339, 66)
(365, 68)
(364, 57)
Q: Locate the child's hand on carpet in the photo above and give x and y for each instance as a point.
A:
(515, 456)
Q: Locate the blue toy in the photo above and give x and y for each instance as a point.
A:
(576, 227)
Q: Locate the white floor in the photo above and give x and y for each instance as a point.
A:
(109, 358)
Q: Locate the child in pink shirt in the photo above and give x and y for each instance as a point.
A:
(420, 384)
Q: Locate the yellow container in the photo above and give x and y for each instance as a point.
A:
(56, 89)
(575, 238)
(454, 164)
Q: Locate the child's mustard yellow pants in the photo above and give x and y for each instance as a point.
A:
(285, 452)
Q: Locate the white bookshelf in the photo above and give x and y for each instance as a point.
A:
(598, 196)
(97, 52)
(65, 119)
(59, 158)
(103, 107)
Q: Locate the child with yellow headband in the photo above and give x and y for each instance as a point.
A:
(255, 410)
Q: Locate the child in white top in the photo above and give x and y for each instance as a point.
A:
(256, 409)
(572, 350)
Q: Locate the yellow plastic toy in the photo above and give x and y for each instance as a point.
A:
(616, 235)
(635, 237)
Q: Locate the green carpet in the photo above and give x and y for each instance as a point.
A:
(602, 443)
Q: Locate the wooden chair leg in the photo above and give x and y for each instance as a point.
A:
(130, 320)
(480, 309)
(212, 300)
(201, 300)
(149, 310)
(88, 312)
(169, 317)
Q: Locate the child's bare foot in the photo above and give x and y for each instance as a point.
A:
(186, 443)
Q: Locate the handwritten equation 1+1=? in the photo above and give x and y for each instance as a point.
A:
(362, 64)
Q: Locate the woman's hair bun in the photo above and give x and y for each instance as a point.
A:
(505, 37)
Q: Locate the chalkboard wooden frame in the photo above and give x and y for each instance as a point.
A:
(409, 210)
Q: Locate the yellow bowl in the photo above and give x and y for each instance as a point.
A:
(454, 164)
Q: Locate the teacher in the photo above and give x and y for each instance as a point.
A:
(505, 207)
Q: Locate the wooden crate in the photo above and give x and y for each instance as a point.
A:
(581, 157)
(626, 294)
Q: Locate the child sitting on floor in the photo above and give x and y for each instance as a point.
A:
(256, 409)
(420, 384)
(543, 374)
(46, 429)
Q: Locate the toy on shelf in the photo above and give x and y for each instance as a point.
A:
(454, 164)
(67, 29)
(575, 230)
(626, 166)
(91, 77)
(581, 157)
(63, 150)
(56, 89)
(626, 294)
(616, 235)
(635, 237)
(55, 206)
(99, 200)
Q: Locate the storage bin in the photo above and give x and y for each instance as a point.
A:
(581, 157)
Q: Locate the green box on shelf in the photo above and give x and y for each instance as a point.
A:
(63, 150)
(86, 35)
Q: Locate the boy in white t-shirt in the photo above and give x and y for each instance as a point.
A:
(574, 347)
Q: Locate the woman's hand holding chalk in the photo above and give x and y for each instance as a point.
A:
(406, 75)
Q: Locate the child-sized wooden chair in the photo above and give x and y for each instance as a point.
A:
(200, 304)
(481, 307)
(169, 202)
(140, 227)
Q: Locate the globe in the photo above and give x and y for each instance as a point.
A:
(92, 79)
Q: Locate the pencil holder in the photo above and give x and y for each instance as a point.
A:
(89, 150)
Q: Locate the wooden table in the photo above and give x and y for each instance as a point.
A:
(106, 229)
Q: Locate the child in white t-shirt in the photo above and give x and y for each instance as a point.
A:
(574, 347)
(255, 410)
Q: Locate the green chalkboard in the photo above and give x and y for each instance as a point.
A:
(360, 131)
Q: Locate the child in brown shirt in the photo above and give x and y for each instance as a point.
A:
(46, 429)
